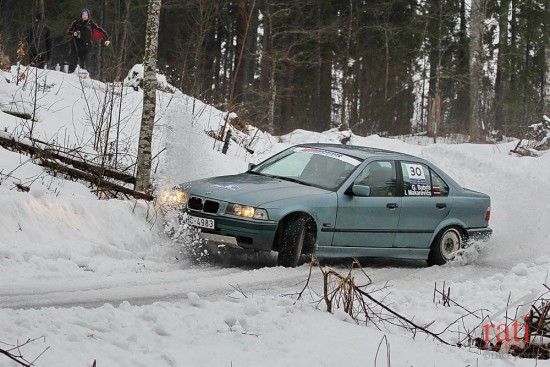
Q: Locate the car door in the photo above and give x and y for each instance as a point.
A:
(426, 202)
(369, 221)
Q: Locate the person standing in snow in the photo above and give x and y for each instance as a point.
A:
(39, 42)
(83, 31)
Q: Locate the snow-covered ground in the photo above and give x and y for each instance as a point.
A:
(87, 279)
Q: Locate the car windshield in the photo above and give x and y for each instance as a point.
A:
(310, 166)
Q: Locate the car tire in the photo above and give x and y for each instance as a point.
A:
(292, 236)
(445, 246)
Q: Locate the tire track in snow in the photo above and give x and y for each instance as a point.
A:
(149, 288)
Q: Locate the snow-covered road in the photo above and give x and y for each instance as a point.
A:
(252, 277)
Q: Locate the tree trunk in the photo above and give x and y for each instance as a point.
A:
(203, 26)
(41, 8)
(461, 107)
(267, 70)
(546, 48)
(325, 90)
(476, 63)
(100, 65)
(325, 71)
(250, 65)
(143, 166)
(123, 46)
(514, 32)
(525, 78)
(347, 113)
(501, 75)
(435, 55)
(241, 26)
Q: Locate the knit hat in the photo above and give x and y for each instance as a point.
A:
(85, 11)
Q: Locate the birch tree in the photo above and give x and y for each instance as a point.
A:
(143, 166)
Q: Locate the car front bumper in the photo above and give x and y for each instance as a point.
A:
(236, 232)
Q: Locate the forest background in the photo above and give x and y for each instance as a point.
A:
(444, 67)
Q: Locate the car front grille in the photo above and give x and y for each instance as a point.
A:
(195, 203)
(207, 206)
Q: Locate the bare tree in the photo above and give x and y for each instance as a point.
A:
(502, 64)
(204, 21)
(143, 166)
(476, 65)
(438, 49)
(41, 8)
(242, 24)
(121, 51)
(100, 57)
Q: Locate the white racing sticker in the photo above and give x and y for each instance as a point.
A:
(327, 153)
(416, 173)
(419, 190)
(227, 187)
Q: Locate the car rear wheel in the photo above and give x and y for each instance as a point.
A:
(445, 246)
(293, 233)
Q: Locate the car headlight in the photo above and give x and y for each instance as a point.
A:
(174, 197)
(247, 211)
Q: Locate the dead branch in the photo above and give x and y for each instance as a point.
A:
(13, 358)
(35, 151)
(410, 322)
(314, 261)
(388, 354)
(445, 296)
(238, 289)
(22, 188)
(95, 172)
(342, 292)
(19, 359)
(447, 300)
(101, 183)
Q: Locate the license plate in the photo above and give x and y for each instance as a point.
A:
(201, 222)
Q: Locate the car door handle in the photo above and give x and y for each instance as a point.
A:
(441, 205)
(391, 205)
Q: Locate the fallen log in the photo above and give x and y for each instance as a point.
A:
(39, 152)
(101, 183)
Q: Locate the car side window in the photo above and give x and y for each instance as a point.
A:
(439, 187)
(380, 177)
(416, 179)
(419, 180)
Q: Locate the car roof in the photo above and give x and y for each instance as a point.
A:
(358, 151)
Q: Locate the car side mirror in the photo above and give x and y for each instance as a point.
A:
(360, 190)
(251, 165)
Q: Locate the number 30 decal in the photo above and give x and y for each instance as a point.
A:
(415, 171)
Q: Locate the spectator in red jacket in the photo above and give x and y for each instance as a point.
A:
(83, 31)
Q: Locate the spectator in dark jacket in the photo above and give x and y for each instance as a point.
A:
(39, 42)
(83, 31)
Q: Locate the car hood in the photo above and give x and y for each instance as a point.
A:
(248, 189)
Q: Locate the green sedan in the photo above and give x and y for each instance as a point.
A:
(336, 200)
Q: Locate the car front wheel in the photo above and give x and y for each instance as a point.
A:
(445, 246)
(293, 233)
